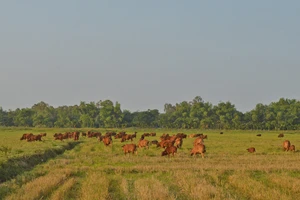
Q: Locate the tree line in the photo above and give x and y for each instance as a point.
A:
(281, 115)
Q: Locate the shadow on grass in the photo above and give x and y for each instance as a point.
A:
(16, 166)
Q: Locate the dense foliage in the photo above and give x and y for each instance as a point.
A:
(281, 115)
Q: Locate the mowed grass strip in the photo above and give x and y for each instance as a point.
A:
(94, 186)
(194, 185)
(256, 190)
(63, 192)
(41, 187)
(152, 188)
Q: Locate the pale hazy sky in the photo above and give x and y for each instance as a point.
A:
(144, 54)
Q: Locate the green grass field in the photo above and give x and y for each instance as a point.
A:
(88, 170)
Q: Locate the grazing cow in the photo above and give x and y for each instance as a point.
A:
(59, 136)
(286, 145)
(143, 143)
(169, 150)
(251, 150)
(25, 136)
(34, 138)
(221, 133)
(292, 148)
(258, 135)
(198, 149)
(83, 134)
(281, 135)
(129, 148)
(146, 134)
(119, 135)
(107, 140)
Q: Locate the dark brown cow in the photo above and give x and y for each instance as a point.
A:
(154, 142)
(251, 150)
(34, 138)
(169, 150)
(129, 148)
(25, 136)
(286, 145)
(292, 148)
(83, 134)
(143, 143)
(198, 149)
(281, 135)
(258, 135)
(152, 134)
(221, 133)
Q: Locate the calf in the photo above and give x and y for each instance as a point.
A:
(292, 148)
(251, 150)
(129, 148)
(169, 150)
(198, 149)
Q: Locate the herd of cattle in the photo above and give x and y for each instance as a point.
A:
(170, 144)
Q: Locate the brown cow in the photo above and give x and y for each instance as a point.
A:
(107, 140)
(76, 135)
(34, 138)
(143, 143)
(281, 135)
(129, 148)
(169, 150)
(258, 135)
(251, 150)
(286, 145)
(292, 148)
(198, 149)
(58, 136)
(221, 133)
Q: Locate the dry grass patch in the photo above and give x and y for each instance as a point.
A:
(195, 186)
(150, 189)
(41, 186)
(255, 189)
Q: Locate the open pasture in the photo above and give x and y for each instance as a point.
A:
(87, 169)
